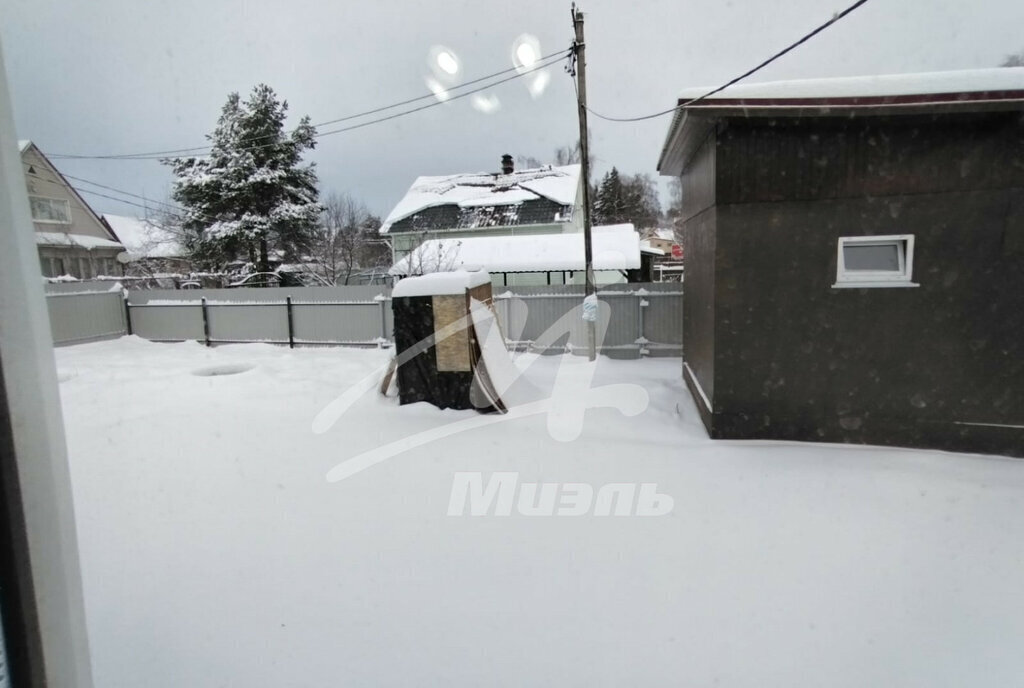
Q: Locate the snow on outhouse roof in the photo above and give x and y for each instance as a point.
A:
(557, 185)
(440, 283)
(615, 247)
(23, 145)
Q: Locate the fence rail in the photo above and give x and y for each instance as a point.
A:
(641, 319)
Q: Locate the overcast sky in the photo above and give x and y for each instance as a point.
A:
(127, 76)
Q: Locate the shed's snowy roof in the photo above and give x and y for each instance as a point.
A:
(23, 145)
(615, 247)
(558, 184)
(440, 283)
(77, 240)
(883, 85)
(968, 90)
(144, 238)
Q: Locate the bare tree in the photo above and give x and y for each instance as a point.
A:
(527, 162)
(340, 241)
(568, 155)
(1013, 60)
(432, 256)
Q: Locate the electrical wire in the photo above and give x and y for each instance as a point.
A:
(542, 62)
(835, 18)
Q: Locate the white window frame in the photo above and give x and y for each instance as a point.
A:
(859, 279)
(67, 207)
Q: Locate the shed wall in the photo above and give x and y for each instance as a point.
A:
(940, 365)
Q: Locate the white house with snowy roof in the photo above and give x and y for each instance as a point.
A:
(525, 227)
(72, 239)
(149, 246)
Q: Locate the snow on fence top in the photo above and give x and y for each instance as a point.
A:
(440, 283)
(558, 184)
(615, 247)
(884, 85)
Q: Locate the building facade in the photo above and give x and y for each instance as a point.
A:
(855, 259)
(72, 239)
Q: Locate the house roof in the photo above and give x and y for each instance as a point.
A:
(144, 238)
(615, 247)
(953, 91)
(557, 185)
(77, 240)
(23, 147)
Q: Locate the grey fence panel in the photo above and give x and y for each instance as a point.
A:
(168, 323)
(663, 323)
(640, 319)
(251, 294)
(247, 323)
(81, 317)
(351, 323)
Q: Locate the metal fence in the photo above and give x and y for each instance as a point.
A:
(641, 319)
(84, 316)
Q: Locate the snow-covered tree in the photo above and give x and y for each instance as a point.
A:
(252, 195)
(626, 199)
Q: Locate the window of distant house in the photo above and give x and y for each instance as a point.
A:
(875, 261)
(50, 210)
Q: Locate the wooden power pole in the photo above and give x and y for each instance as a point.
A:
(579, 50)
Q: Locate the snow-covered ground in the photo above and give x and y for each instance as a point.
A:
(215, 552)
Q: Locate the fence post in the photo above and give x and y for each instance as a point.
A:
(291, 332)
(127, 316)
(206, 322)
(381, 299)
(642, 303)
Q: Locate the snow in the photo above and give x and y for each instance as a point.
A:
(560, 184)
(512, 388)
(439, 283)
(78, 240)
(23, 145)
(214, 551)
(961, 81)
(144, 238)
(615, 247)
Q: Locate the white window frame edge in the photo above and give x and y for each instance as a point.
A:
(873, 279)
(65, 201)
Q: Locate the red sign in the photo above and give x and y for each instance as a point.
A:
(677, 251)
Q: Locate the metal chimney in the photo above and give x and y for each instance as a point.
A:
(507, 166)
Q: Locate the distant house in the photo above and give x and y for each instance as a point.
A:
(72, 239)
(150, 249)
(661, 256)
(461, 220)
(855, 259)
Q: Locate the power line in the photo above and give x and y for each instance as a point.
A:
(150, 201)
(542, 62)
(835, 18)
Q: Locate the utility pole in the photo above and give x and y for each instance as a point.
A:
(579, 54)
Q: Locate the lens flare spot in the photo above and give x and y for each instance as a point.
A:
(485, 103)
(448, 63)
(538, 84)
(439, 91)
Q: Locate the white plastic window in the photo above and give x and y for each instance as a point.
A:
(875, 261)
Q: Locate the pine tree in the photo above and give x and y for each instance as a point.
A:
(252, 195)
(609, 203)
